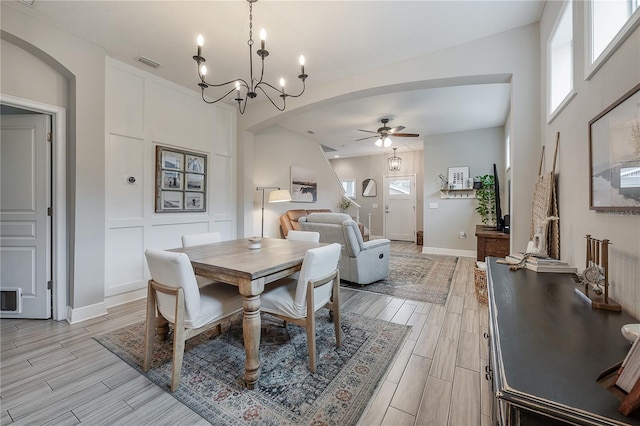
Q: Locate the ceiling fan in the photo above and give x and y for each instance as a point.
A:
(385, 131)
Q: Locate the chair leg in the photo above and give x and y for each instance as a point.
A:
(150, 328)
(336, 324)
(311, 341)
(178, 342)
(335, 308)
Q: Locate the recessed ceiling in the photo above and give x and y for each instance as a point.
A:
(339, 39)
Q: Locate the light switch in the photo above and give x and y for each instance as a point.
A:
(433, 205)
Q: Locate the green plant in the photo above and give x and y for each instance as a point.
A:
(344, 205)
(486, 199)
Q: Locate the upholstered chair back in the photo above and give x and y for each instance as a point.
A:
(199, 239)
(174, 270)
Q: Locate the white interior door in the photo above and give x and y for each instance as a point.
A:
(25, 226)
(400, 207)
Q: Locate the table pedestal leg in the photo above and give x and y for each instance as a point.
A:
(251, 333)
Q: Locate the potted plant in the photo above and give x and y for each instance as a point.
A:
(344, 205)
(486, 199)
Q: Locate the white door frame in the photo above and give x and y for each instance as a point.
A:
(58, 196)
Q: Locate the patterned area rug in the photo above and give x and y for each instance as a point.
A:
(423, 277)
(287, 393)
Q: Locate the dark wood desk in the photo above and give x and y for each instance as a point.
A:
(249, 269)
(547, 348)
(491, 242)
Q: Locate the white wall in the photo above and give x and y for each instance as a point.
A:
(478, 150)
(83, 66)
(276, 150)
(376, 167)
(512, 56)
(617, 76)
(109, 223)
(143, 112)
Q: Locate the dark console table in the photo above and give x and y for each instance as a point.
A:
(547, 348)
(491, 242)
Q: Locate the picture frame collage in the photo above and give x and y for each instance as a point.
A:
(181, 178)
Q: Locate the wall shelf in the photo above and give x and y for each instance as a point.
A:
(457, 193)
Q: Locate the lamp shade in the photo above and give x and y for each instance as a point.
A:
(279, 196)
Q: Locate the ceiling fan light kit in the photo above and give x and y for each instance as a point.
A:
(383, 134)
(250, 88)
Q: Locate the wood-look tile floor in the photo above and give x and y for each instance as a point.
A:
(53, 373)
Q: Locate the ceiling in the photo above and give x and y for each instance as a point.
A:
(338, 38)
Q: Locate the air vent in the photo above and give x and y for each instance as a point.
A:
(147, 61)
(327, 148)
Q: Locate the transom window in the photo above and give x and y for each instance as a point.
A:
(609, 23)
(560, 57)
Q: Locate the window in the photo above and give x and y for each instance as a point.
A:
(560, 57)
(610, 23)
(508, 152)
(349, 186)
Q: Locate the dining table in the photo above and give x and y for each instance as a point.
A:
(250, 269)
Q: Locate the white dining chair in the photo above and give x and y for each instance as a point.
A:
(199, 239)
(310, 236)
(191, 240)
(173, 297)
(318, 286)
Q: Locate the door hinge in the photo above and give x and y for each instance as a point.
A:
(49, 137)
(49, 211)
(49, 285)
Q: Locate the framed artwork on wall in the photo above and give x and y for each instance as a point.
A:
(304, 185)
(614, 155)
(181, 178)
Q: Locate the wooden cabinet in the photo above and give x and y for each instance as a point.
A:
(491, 242)
(547, 350)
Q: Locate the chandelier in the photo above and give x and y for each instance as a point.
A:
(394, 162)
(254, 85)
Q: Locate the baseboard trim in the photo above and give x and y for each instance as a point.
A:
(449, 252)
(127, 297)
(86, 312)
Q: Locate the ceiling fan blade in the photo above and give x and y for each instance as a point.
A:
(368, 131)
(368, 137)
(406, 135)
(395, 129)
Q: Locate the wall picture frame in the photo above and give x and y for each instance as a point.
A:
(304, 185)
(614, 155)
(181, 179)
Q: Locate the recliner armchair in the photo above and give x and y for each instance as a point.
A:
(360, 262)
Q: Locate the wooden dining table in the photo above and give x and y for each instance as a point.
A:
(233, 262)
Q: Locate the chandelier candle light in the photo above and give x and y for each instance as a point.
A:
(250, 88)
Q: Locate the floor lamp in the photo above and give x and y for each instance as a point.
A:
(277, 195)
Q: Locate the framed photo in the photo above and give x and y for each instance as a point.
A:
(614, 155)
(458, 177)
(181, 178)
(195, 182)
(172, 160)
(171, 180)
(193, 200)
(195, 163)
(304, 185)
(172, 200)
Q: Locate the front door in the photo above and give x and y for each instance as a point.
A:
(400, 207)
(25, 226)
